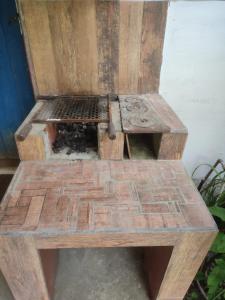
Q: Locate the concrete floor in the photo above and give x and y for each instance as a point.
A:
(97, 274)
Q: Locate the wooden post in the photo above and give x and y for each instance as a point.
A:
(111, 149)
(21, 266)
(187, 256)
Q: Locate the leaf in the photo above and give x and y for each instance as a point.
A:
(221, 199)
(219, 244)
(200, 276)
(194, 296)
(218, 212)
(216, 278)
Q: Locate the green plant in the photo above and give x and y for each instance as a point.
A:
(210, 281)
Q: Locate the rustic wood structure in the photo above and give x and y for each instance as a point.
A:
(52, 205)
(150, 114)
(93, 47)
(98, 47)
(133, 114)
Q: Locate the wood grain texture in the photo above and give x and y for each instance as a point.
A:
(107, 148)
(184, 263)
(93, 47)
(21, 266)
(149, 113)
(33, 147)
(153, 26)
(103, 196)
(171, 145)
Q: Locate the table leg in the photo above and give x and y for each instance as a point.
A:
(187, 256)
(21, 266)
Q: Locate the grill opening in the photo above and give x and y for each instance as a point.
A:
(73, 140)
(76, 109)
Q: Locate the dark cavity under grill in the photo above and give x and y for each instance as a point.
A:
(77, 109)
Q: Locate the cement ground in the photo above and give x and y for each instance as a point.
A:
(97, 274)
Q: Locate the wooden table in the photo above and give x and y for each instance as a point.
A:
(52, 205)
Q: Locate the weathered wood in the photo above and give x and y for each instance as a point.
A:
(106, 196)
(53, 204)
(33, 146)
(171, 145)
(93, 47)
(105, 240)
(107, 148)
(153, 26)
(149, 113)
(184, 263)
(21, 266)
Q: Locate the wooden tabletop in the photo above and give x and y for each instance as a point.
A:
(102, 196)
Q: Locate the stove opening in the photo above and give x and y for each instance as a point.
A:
(140, 146)
(73, 140)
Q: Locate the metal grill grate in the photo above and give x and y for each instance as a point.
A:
(76, 109)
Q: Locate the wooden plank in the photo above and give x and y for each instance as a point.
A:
(21, 266)
(92, 47)
(33, 147)
(105, 240)
(153, 28)
(184, 263)
(63, 40)
(130, 46)
(36, 21)
(83, 15)
(107, 148)
(107, 15)
(110, 149)
(171, 145)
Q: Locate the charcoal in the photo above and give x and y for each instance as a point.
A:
(75, 137)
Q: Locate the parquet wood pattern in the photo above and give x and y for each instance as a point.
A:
(102, 196)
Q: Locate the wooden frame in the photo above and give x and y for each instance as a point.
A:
(19, 255)
(56, 205)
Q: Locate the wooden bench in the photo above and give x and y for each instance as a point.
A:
(153, 204)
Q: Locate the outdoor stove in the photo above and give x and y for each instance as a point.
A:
(106, 127)
(74, 127)
(75, 120)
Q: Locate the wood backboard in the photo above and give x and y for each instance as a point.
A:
(93, 46)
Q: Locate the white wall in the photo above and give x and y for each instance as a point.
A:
(193, 76)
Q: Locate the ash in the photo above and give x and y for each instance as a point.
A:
(78, 138)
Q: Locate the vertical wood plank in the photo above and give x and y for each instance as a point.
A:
(184, 263)
(153, 27)
(93, 46)
(21, 266)
(40, 40)
(129, 45)
(64, 44)
(83, 15)
(107, 15)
